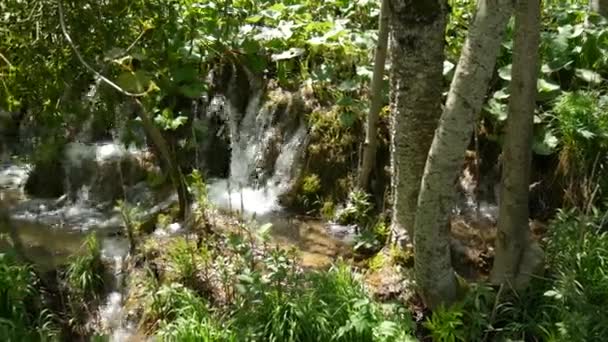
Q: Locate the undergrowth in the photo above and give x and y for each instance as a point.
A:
(24, 315)
(569, 303)
(259, 293)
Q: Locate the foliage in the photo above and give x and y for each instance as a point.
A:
(264, 295)
(568, 305)
(84, 275)
(580, 124)
(357, 211)
(578, 250)
(23, 316)
(183, 261)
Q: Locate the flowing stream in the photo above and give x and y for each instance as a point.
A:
(267, 143)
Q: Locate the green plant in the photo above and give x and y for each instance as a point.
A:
(446, 324)
(183, 261)
(357, 210)
(23, 316)
(84, 274)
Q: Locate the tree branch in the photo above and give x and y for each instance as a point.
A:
(5, 60)
(84, 63)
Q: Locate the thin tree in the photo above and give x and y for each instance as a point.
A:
(516, 257)
(434, 272)
(417, 54)
(371, 134)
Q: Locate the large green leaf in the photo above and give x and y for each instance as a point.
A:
(134, 82)
(588, 76)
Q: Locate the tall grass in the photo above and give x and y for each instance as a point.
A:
(23, 316)
(84, 275)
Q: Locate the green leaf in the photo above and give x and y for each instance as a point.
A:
(505, 72)
(289, 54)
(501, 94)
(193, 90)
(184, 74)
(547, 90)
(545, 143)
(497, 109)
(134, 82)
(588, 76)
(347, 118)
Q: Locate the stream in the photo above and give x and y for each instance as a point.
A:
(51, 230)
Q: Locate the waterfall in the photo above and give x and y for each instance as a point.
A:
(267, 142)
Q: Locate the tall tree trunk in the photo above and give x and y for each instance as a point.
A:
(371, 134)
(512, 262)
(417, 53)
(599, 6)
(435, 276)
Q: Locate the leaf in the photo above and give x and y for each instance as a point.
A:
(545, 143)
(365, 72)
(448, 67)
(289, 54)
(501, 94)
(264, 231)
(505, 72)
(547, 90)
(184, 74)
(497, 109)
(134, 82)
(348, 118)
(588, 76)
(193, 90)
(553, 293)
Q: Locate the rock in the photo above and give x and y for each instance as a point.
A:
(46, 179)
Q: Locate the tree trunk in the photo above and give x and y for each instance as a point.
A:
(467, 92)
(417, 54)
(512, 265)
(171, 166)
(371, 134)
(599, 6)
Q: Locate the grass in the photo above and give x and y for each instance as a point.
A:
(84, 275)
(570, 303)
(23, 315)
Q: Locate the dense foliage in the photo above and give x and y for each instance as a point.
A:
(235, 287)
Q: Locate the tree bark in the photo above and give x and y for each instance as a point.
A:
(599, 6)
(512, 263)
(417, 54)
(371, 134)
(435, 275)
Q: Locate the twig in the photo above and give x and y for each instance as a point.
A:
(135, 41)
(84, 63)
(5, 60)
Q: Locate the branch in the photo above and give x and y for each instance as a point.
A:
(5, 60)
(84, 63)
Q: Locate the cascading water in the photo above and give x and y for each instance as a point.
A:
(112, 314)
(267, 142)
(251, 187)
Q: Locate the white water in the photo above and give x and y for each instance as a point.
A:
(112, 314)
(248, 189)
